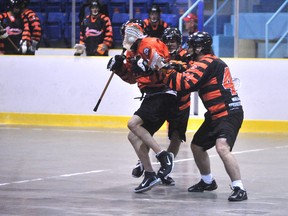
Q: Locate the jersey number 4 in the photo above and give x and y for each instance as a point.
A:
(228, 82)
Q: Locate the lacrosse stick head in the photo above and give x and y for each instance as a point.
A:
(237, 83)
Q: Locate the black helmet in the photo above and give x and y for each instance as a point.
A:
(200, 43)
(200, 39)
(134, 20)
(16, 3)
(95, 3)
(154, 8)
(172, 33)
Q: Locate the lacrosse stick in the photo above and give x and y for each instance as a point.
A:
(105, 88)
(9, 39)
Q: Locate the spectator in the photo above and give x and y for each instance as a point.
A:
(96, 34)
(15, 34)
(83, 7)
(191, 23)
(154, 26)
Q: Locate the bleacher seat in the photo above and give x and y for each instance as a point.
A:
(37, 6)
(181, 2)
(117, 38)
(67, 31)
(171, 19)
(55, 6)
(119, 18)
(164, 5)
(120, 6)
(141, 16)
(141, 6)
(267, 7)
(54, 25)
(68, 6)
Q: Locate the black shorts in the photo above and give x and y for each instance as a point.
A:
(225, 127)
(154, 110)
(179, 123)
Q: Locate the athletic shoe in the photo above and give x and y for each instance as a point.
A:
(166, 160)
(238, 194)
(138, 170)
(202, 186)
(168, 181)
(150, 180)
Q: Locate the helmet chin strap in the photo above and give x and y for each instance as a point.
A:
(95, 14)
(154, 20)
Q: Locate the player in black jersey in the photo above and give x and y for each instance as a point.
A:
(96, 34)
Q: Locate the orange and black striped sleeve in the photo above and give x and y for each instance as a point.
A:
(34, 24)
(108, 38)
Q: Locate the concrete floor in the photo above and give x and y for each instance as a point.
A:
(80, 171)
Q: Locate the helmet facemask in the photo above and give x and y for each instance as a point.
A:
(94, 10)
(132, 33)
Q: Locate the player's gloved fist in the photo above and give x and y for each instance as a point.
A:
(80, 48)
(3, 33)
(115, 62)
(178, 67)
(167, 69)
(140, 67)
(23, 47)
(101, 49)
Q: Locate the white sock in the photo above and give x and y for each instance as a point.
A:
(207, 178)
(238, 183)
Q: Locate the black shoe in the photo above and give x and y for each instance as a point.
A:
(202, 186)
(168, 181)
(138, 170)
(166, 160)
(238, 194)
(148, 182)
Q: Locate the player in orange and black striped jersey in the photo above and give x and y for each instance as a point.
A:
(96, 34)
(154, 26)
(33, 20)
(172, 37)
(211, 77)
(159, 101)
(17, 29)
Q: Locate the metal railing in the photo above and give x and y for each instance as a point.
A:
(214, 15)
(267, 52)
(187, 12)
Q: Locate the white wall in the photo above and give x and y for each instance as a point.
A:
(72, 85)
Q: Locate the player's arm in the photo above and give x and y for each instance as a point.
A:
(116, 65)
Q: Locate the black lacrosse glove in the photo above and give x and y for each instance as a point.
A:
(115, 62)
(177, 67)
(140, 67)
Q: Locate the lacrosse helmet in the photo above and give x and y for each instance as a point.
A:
(134, 20)
(154, 13)
(93, 4)
(172, 33)
(132, 32)
(200, 43)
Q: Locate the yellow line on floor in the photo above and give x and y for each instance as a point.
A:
(71, 120)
